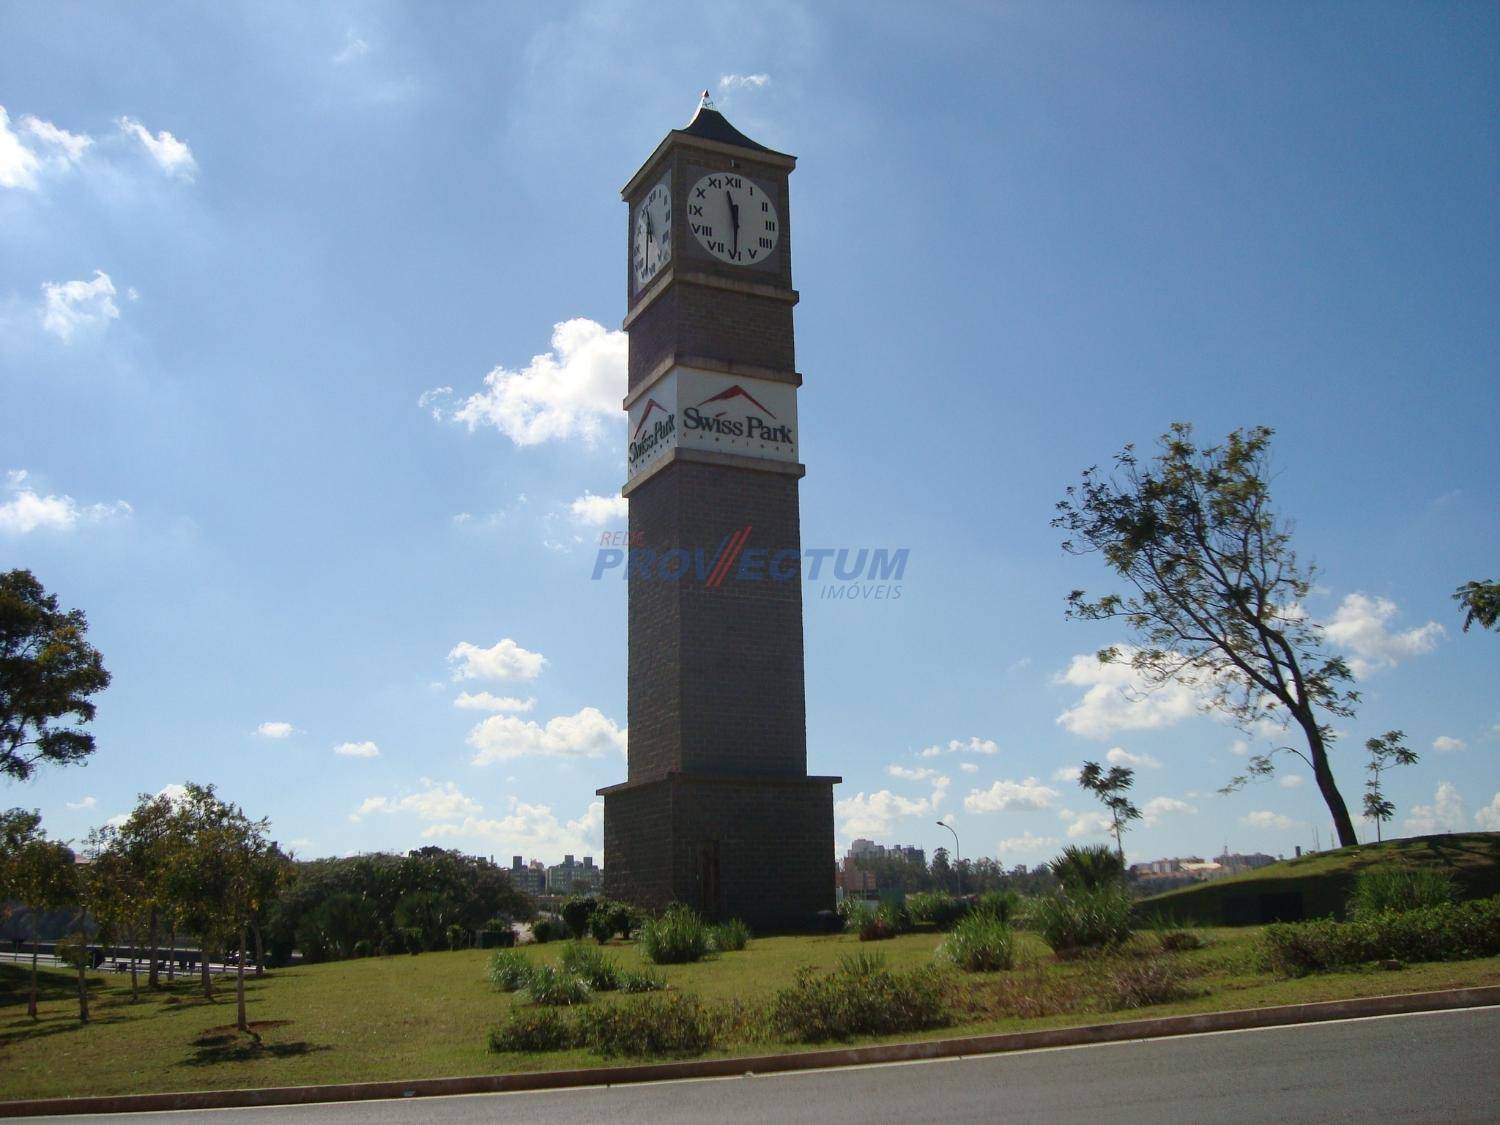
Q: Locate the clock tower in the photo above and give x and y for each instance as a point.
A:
(718, 810)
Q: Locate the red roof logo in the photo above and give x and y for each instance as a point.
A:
(651, 404)
(735, 391)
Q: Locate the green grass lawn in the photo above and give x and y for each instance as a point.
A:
(1322, 883)
(427, 1016)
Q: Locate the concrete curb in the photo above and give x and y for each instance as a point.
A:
(1160, 1027)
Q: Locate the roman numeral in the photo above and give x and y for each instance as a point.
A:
(700, 195)
(715, 183)
(770, 224)
(694, 209)
(764, 206)
(703, 230)
(751, 253)
(766, 243)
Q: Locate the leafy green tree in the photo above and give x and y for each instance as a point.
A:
(42, 878)
(1480, 602)
(147, 839)
(1216, 590)
(117, 893)
(1388, 750)
(1111, 788)
(48, 674)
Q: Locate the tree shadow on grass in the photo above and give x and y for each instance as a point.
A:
(229, 1045)
(22, 1029)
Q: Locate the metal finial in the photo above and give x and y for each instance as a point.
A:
(706, 102)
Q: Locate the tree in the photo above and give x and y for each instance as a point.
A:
(48, 672)
(42, 878)
(1216, 591)
(1480, 602)
(147, 839)
(118, 894)
(1110, 788)
(1388, 750)
(1088, 868)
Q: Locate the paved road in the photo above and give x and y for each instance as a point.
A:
(1432, 1067)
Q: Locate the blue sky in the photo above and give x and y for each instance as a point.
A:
(307, 356)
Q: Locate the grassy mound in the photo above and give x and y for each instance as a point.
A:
(1319, 886)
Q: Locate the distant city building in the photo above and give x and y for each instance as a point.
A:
(565, 878)
(869, 849)
(529, 879)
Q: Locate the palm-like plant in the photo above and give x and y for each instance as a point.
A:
(1088, 868)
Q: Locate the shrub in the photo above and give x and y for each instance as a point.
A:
(509, 970)
(1088, 868)
(646, 980)
(980, 943)
(874, 1001)
(611, 918)
(1179, 941)
(1146, 981)
(411, 939)
(678, 936)
(72, 950)
(550, 987)
(533, 1029)
(576, 913)
(884, 921)
(547, 929)
(862, 964)
(934, 908)
(730, 936)
(1002, 906)
(1400, 889)
(1451, 932)
(677, 1024)
(364, 947)
(1083, 919)
(855, 912)
(591, 965)
(458, 937)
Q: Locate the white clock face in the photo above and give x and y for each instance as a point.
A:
(733, 218)
(651, 246)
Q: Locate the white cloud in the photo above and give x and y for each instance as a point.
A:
(873, 815)
(18, 164)
(504, 660)
(743, 81)
(1289, 780)
(588, 734)
(907, 774)
(484, 701)
(1264, 818)
(1011, 796)
(599, 510)
(1360, 627)
(1122, 757)
(65, 147)
(434, 802)
(1025, 844)
(1088, 823)
(969, 767)
(1117, 698)
(86, 803)
(1066, 773)
(570, 391)
(72, 305)
(531, 828)
(1445, 744)
(1156, 808)
(354, 48)
(972, 746)
(357, 750)
(171, 155)
(1488, 817)
(1445, 814)
(433, 401)
(24, 510)
(276, 730)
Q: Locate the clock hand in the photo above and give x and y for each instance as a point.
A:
(734, 219)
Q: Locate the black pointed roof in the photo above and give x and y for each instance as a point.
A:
(711, 125)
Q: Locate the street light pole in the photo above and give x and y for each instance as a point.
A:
(958, 856)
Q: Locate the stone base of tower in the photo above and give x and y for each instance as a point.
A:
(750, 847)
